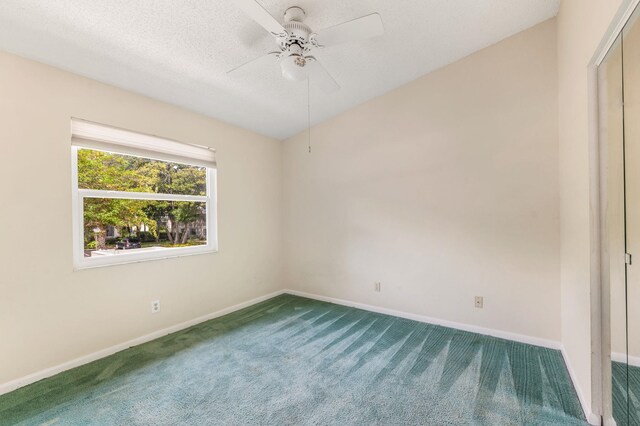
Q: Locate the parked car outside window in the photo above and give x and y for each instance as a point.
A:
(128, 243)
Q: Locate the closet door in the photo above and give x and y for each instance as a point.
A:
(631, 92)
(611, 125)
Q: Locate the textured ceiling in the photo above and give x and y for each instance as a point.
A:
(180, 51)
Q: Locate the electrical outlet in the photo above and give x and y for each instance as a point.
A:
(155, 306)
(479, 302)
(376, 287)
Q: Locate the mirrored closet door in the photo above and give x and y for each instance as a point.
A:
(619, 114)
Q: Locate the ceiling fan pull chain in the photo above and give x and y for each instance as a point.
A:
(309, 113)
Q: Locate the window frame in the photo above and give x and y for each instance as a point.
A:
(78, 195)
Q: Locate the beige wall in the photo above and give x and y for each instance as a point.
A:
(443, 189)
(50, 314)
(581, 26)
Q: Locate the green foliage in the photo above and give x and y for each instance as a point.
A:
(102, 212)
(116, 172)
(147, 236)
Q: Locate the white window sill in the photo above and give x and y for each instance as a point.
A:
(123, 257)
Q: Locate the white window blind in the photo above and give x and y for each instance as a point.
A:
(86, 134)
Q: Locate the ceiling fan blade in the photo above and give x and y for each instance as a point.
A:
(355, 30)
(319, 76)
(260, 61)
(255, 11)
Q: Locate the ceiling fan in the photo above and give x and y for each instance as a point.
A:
(296, 42)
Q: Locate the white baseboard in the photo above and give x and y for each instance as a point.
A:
(552, 344)
(43, 374)
(620, 357)
(592, 418)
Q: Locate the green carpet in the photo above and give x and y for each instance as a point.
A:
(296, 361)
(626, 394)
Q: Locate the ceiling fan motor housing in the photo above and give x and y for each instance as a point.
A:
(297, 33)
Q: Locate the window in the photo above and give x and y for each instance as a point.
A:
(139, 197)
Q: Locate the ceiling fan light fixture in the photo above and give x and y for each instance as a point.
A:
(293, 67)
